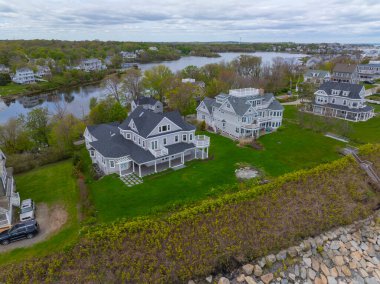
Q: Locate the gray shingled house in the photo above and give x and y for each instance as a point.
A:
(145, 143)
(317, 76)
(241, 113)
(342, 100)
(345, 73)
(147, 103)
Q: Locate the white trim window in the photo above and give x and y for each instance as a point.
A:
(165, 141)
(184, 137)
(154, 145)
(128, 135)
(112, 164)
(191, 137)
(176, 138)
(92, 153)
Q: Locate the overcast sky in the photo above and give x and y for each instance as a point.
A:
(196, 20)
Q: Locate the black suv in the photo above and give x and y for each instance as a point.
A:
(19, 231)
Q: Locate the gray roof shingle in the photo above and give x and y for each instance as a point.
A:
(354, 89)
(345, 68)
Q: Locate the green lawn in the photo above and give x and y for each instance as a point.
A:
(51, 184)
(357, 132)
(12, 89)
(289, 149)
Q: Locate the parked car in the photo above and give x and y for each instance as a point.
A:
(27, 210)
(370, 82)
(20, 231)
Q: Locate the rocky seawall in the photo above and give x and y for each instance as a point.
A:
(349, 254)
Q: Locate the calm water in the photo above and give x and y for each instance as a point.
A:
(76, 100)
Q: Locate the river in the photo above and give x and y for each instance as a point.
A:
(76, 100)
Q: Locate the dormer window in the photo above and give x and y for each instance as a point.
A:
(345, 102)
(345, 93)
(128, 135)
(164, 128)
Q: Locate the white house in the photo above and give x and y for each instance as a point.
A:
(147, 103)
(200, 84)
(9, 198)
(43, 71)
(92, 64)
(342, 100)
(24, 76)
(4, 69)
(153, 48)
(241, 113)
(317, 76)
(128, 55)
(145, 143)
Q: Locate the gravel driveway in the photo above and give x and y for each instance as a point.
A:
(50, 221)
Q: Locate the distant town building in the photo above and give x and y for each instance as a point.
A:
(369, 71)
(345, 73)
(92, 64)
(317, 76)
(153, 48)
(24, 76)
(4, 69)
(241, 113)
(43, 71)
(194, 82)
(342, 100)
(313, 61)
(128, 55)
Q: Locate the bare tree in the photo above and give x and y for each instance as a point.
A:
(114, 87)
(131, 83)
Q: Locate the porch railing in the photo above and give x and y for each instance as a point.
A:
(202, 141)
(163, 151)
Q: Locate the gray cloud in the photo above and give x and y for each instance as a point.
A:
(171, 20)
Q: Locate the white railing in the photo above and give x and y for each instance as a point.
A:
(202, 141)
(163, 151)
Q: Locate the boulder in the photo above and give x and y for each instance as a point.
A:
(267, 278)
(223, 280)
(248, 268)
(257, 271)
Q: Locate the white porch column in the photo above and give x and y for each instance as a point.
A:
(119, 170)
(133, 166)
(139, 170)
(203, 153)
(183, 158)
(170, 162)
(196, 149)
(207, 152)
(155, 166)
(346, 115)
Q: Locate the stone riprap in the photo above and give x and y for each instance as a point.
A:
(348, 254)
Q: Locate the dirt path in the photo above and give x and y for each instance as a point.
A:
(50, 221)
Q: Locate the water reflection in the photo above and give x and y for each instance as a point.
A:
(76, 100)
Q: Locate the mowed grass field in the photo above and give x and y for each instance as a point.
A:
(290, 148)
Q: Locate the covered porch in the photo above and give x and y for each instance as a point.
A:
(159, 165)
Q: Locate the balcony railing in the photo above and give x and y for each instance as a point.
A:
(202, 141)
(163, 151)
